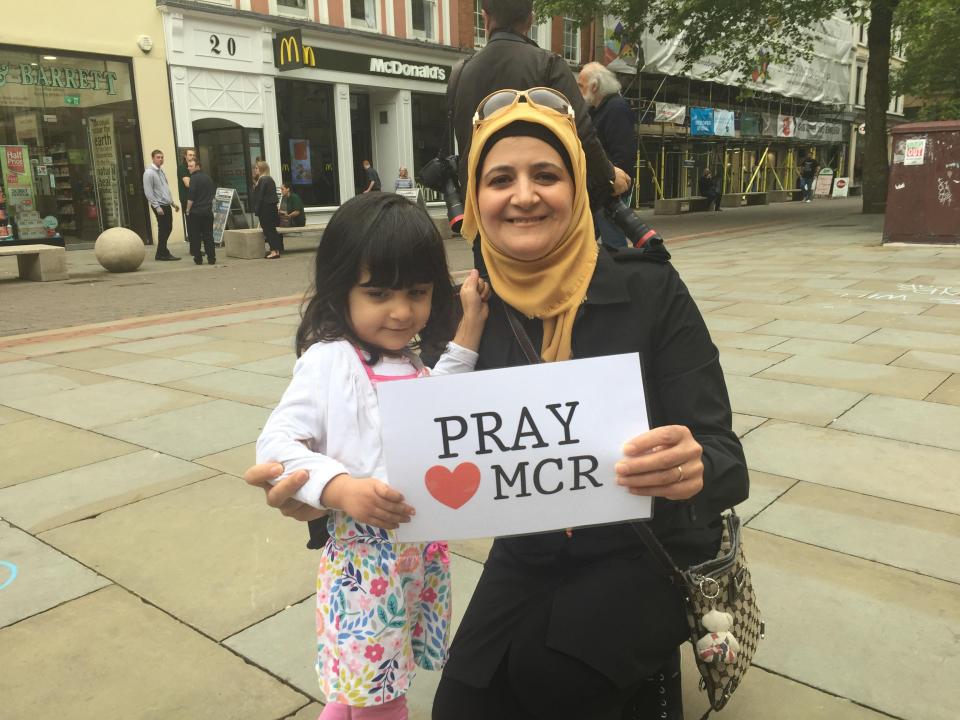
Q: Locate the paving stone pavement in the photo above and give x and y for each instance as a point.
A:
(140, 578)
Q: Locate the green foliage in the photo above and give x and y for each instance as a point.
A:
(735, 32)
(932, 72)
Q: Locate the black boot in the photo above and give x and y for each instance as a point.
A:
(660, 697)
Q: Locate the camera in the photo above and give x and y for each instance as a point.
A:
(639, 234)
(440, 175)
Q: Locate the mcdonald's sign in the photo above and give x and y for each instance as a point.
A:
(290, 53)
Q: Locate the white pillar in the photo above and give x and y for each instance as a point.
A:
(341, 113)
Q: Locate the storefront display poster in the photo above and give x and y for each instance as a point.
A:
(105, 167)
(300, 162)
(17, 179)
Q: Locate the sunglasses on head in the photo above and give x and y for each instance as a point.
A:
(538, 97)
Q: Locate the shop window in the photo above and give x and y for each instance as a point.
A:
(423, 19)
(429, 116)
(69, 147)
(479, 33)
(363, 14)
(571, 41)
(293, 7)
(308, 141)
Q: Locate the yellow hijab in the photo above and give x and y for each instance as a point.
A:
(552, 287)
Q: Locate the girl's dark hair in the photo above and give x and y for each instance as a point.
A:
(398, 244)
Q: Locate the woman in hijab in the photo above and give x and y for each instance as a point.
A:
(582, 623)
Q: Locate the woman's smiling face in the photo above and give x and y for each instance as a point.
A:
(525, 197)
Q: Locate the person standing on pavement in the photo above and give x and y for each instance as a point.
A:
(264, 203)
(614, 122)
(183, 182)
(292, 211)
(157, 191)
(708, 189)
(373, 177)
(199, 212)
(808, 173)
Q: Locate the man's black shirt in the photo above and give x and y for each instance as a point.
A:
(201, 191)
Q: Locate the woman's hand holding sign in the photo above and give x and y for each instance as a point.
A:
(664, 462)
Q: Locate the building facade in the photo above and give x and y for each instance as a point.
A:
(313, 88)
(80, 109)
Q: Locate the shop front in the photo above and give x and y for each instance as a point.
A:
(70, 149)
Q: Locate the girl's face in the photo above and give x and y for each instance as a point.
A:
(256, 172)
(525, 197)
(388, 318)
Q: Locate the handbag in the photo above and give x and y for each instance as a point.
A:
(721, 607)
(714, 592)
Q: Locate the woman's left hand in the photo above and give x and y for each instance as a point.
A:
(664, 462)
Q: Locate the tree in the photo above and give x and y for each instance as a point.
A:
(736, 32)
(932, 72)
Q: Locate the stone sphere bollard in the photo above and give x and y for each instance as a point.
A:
(120, 250)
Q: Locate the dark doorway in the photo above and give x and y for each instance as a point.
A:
(228, 152)
(360, 133)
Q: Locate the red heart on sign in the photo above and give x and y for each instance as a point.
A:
(453, 488)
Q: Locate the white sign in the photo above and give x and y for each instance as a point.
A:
(670, 113)
(914, 150)
(841, 187)
(518, 450)
(105, 170)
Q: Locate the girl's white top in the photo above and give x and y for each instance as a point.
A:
(328, 421)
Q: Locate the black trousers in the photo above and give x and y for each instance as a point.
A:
(164, 228)
(200, 228)
(268, 223)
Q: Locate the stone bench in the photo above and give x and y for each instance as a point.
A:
(676, 206)
(38, 262)
(785, 195)
(741, 199)
(248, 244)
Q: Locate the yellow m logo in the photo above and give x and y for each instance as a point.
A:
(290, 51)
(308, 58)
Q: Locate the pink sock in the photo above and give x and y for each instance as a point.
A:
(335, 711)
(394, 710)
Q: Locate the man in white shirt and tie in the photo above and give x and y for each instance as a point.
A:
(157, 191)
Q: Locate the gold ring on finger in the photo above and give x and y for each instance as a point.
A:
(680, 468)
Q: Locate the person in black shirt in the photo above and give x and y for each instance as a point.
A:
(200, 213)
(808, 172)
(373, 177)
(263, 200)
(614, 121)
(708, 189)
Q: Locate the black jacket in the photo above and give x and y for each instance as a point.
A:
(614, 121)
(607, 604)
(263, 199)
(513, 61)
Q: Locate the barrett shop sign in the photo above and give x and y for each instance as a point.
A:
(292, 54)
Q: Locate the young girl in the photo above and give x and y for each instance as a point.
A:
(383, 607)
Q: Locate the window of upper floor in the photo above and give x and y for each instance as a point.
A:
(479, 33)
(423, 19)
(363, 14)
(571, 41)
(896, 105)
(295, 8)
(540, 34)
(860, 86)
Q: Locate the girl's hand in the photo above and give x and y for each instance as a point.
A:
(474, 294)
(664, 462)
(367, 500)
